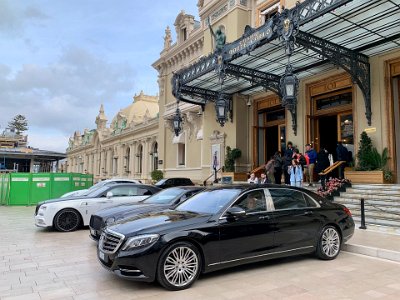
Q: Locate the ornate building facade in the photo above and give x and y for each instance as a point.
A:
(128, 147)
(348, 72)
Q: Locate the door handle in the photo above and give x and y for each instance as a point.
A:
(308, 213)
(264, 217)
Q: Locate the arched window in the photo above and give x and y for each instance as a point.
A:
(127, 159)
(140, 159)
(155, 156)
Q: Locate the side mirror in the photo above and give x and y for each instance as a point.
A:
(109, 195)
(236, 211)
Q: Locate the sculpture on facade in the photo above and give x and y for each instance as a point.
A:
(167, 38)
(219, 38)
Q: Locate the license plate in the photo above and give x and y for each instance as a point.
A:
(102, 256)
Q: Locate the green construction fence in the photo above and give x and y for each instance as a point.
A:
(31, 188)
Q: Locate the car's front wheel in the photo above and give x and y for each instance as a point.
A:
(179, 266)
(67, 220)
(329, 243)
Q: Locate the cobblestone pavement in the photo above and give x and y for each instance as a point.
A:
(42, 264)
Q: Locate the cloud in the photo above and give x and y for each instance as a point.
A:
(66, 94)
(14, 18)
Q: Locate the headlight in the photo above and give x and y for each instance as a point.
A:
(42, 207)
(109, 221)
(140, 241)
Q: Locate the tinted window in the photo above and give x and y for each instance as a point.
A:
(165, 196)
(144, 192)
(252, 202)
(287, 199)
(209, 202)
(122, 191)
(161, 181)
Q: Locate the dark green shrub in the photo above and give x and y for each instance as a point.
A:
(231, 156)
(157, 175)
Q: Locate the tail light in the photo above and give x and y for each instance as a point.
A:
(347, 211)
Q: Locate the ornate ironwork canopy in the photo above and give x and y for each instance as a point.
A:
(313, 37)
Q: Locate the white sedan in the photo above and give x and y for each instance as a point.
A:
(67, 214)
(98, 185)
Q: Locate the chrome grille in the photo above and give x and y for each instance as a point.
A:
(110, 241)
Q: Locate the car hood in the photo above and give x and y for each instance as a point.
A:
(157, 222)
(63, 199)
(123, 211)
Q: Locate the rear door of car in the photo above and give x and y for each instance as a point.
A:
(248, 237)
(296, 217)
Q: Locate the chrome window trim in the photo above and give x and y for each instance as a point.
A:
(304, 194)
(222, 217)
(260, 255)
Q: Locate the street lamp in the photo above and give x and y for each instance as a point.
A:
(177, 122)
(221, 109)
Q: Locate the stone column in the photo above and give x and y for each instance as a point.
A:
(132, 163)
(121, 160)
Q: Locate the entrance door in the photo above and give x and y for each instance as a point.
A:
(327, 128)
(396, 108)
(331, 120)
(270, 133)
(272, 138)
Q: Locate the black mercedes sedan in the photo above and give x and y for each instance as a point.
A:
(224, 227)
(167, 198)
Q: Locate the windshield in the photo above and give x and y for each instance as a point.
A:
(165, 196)
(161, 181)
(96, 192)
(209, 202)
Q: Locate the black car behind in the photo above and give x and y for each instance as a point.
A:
(224, 227)
(170, 182)
(164, 199)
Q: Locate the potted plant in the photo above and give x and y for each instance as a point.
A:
(371, 165)
(229, 168)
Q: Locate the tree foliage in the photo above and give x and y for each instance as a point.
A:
(368, 156)
(19, 124)
(231, 156)
(157, 175)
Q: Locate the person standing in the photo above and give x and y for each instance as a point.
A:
(312, 157)
(322, 163)
(252, 179)
(296, 173)
(287, 161)
(270, 169)
(278, 164)
(263, 179)
(342, 154)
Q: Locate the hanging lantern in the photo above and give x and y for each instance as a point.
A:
(289, 86)
(221, 109)
(177, 122)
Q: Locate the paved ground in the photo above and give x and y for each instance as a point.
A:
(42, 264)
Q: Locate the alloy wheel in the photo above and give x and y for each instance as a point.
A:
(330, 242)
(181, 266)
(67, 220)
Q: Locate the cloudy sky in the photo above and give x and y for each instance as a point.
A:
(59, 60)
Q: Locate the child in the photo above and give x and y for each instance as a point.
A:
(296, 173)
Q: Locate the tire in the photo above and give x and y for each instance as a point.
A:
(67, 220)
(179, 266)
(329, 243)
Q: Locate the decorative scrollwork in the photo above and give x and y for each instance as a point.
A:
(288, 27)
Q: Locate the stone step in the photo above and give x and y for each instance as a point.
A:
(375, 214)
(378, 221)
(368, 202)
(377, 186)
(372, 192)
